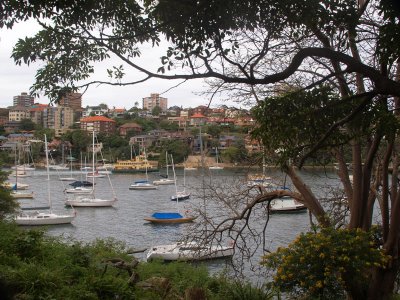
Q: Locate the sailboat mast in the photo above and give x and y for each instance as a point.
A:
(176, 188)
(47, 169)
(166, 161)
(93, 159)
(16, 167)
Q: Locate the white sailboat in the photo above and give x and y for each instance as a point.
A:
(143, 184)
(15, 192)
(26, 166)
(216, 166)
(179, 195)
(90, 200)
(70, 178)
(44, 217)
(167, 180)
(63, 165)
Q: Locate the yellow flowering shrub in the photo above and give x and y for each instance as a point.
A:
(316, 263)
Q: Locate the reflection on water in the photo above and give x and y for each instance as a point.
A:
(125, 221)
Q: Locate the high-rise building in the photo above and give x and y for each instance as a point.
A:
(58, 118)
(23, 100)
(72, 100)
(155, 100)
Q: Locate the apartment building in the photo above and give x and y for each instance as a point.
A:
(24, 100)
(155, 100)
(98, 124)
(58, 118)
(72, 100)
(18, 113)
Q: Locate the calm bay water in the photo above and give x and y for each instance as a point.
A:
(125, 221)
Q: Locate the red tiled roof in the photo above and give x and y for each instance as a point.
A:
(198, 115)
(97, 119)
(41, 108)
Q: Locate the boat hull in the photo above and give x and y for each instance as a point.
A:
(164, 182)
(40, 219)
(143, 187)
(89, 202)
(79, 190)
(180, 197)
(190, 252)
(287, 205)
(134, 170)
(170, 221)
(21, 195)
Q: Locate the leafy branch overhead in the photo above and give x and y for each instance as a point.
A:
(236, 42)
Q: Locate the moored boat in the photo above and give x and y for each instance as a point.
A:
(287, 205)
(188, 251)
(169, 218)
(139, 164)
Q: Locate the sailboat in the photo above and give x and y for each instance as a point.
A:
(260, 180)
(143, 184)
(179, 195)
(167, 180)
(70, 178)
(170, 217)
(63, 165)
(216, 166)
(15, 192)
(26, 166)
(45, 217)
(90, 200)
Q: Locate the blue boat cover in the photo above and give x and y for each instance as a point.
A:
(142, 181)
(167, 215)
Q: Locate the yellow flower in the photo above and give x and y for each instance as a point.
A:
(322, 255)
(319, 284)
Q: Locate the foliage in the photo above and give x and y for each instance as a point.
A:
(177, 148)
(8, 205)
(236, 153)
(298, 121)
(40, 132)
(26, 125)
(168, 125)
(213, 130)
(316, 264)
(147, 124)
(80, 140)
(112, 141)
(35, 266)
(156, 111)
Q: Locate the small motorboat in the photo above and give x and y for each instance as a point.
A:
(287, 205)
(142, 185)
(188, 251)
(169, 218)
(182, 195)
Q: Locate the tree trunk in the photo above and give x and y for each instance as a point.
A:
(382, 282)
(310, 200)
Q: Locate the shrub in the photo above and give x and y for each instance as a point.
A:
(316, 263)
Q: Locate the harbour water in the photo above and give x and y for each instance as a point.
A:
(125, 222)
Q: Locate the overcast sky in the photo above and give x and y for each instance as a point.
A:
(16, 79)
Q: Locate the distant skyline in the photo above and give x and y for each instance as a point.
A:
(17, 79)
